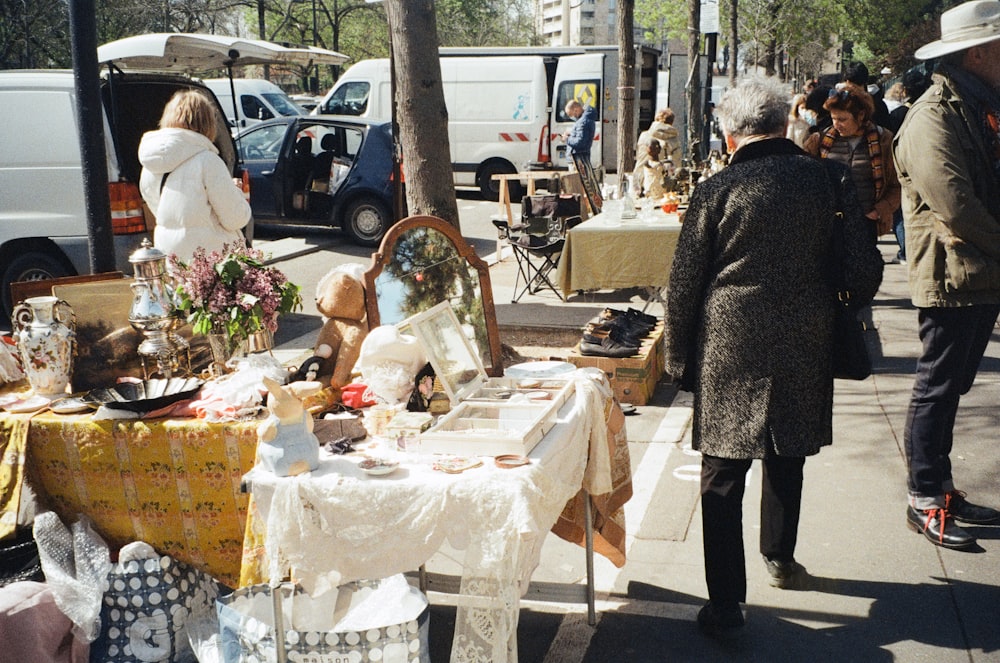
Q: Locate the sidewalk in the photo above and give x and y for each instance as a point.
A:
(877, 591)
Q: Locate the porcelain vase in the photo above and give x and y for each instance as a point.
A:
(44, 329)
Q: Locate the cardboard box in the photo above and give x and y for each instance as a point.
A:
(634, 378)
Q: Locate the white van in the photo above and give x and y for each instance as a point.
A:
(258, 100)
(497, 111)
(43, 219)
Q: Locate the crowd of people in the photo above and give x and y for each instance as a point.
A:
(811, 186)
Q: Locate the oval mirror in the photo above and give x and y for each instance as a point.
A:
(422, 261)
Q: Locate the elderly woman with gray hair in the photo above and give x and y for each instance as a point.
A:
(749, 330)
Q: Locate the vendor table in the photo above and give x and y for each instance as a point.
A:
(335, 524)
(174, 484)
(606, 253)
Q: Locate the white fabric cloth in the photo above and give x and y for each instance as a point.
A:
(336, 525)
(199, 204)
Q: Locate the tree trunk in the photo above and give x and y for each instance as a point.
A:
(734, 44)
(695, 121)
(626, 91)
(420, 109)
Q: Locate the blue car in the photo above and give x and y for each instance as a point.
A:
(321, 171)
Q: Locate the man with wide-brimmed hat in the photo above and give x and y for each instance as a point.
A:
(948, 157)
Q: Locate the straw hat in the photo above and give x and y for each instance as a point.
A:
(967, 25)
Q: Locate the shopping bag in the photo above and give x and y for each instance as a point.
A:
(147, 601)
(384, 621)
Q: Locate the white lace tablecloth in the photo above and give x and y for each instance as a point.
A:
(336, 524)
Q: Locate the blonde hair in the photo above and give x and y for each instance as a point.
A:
(190, 109)
(665, 115)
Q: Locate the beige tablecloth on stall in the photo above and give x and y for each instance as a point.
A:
(633, 254)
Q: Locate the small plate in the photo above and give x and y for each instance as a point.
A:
(28, 404)
(70, 405)
(378, 466)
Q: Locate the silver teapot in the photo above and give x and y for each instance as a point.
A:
(153, 314)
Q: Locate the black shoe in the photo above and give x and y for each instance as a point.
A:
(722, 621)
(938, 527)
(608, 348)
(785, 575)
(645, 317)
(965, 511)
(615, 334)
(630, 326)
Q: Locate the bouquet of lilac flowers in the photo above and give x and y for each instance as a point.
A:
(232, 292)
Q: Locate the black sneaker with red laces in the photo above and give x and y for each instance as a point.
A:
(965, 511)
(938, 527)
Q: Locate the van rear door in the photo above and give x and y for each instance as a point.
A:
(580, 77)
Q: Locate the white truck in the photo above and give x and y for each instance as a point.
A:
(258, 100)
(505, 105)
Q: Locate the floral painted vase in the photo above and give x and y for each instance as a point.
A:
(44, 329)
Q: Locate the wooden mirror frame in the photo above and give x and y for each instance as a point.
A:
(384, 254)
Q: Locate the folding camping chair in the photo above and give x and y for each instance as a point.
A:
(538, 240)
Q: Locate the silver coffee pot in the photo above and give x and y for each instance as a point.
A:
(153, 315)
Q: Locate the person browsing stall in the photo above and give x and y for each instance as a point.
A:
(948, 155)
(755, 352)
(865, 148)
(185, 182)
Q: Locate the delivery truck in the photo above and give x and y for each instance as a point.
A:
(506, 105)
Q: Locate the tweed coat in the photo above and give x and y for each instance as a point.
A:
(750, 302)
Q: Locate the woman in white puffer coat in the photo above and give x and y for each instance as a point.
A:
(187, 184)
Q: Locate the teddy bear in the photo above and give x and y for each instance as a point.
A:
(340, 298)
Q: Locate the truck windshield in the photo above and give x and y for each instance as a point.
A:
(351, 98)
(283, 104)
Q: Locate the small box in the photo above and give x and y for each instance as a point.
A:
(633, 378)
(405, 429)
(489, 416)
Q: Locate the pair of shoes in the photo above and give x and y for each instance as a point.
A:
(965, 511)
(938, 527)
(630, 326)
(720, 621)
(785, 575)
(615, 334)
(632, 316)
(608, 347)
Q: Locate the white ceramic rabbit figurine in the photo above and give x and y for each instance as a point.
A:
(286, 444)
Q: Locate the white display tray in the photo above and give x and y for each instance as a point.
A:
(499, 418)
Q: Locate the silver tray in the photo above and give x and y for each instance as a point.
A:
(146, 395)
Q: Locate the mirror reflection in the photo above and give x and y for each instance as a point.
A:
(421, 264)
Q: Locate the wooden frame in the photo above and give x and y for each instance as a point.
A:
(384, 256)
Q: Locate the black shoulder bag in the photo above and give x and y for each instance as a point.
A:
(849, 349)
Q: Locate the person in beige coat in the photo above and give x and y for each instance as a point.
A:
(948, 155)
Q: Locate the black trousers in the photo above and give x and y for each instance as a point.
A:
(722, 485)
(954, 341)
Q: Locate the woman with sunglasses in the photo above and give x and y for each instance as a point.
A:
(866, 149)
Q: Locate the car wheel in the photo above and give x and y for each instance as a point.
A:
(490, 188)
(30, 266)
(366, 220)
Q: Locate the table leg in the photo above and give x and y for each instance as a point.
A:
(588, 515)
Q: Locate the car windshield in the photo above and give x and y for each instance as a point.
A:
(263, 143)
(283, 104)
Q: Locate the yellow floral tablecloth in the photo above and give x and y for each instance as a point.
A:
(173, 483)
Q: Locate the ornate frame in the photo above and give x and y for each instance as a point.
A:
(384, 254)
